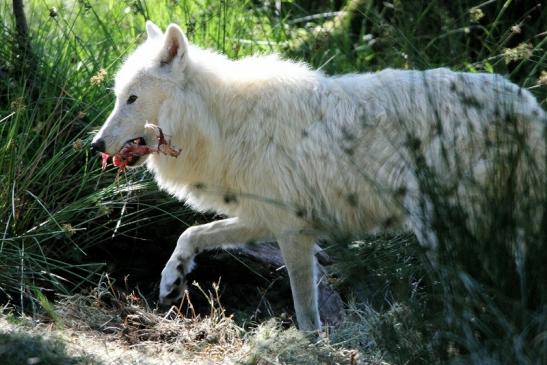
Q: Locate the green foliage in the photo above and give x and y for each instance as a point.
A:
(491, 279)
(426, 34)
(483, 303)
(55, 203)
(47, 306)
(483, 206)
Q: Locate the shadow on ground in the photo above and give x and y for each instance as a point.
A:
(25, 349)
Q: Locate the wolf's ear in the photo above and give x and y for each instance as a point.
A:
(153, 30)
(175, 48)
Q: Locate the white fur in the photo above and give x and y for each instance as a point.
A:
(289, 152)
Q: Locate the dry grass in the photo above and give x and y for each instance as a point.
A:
(107, 326)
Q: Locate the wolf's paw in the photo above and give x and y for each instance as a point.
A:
(172, 284)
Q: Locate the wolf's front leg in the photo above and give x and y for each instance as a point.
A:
(223, 233)
(299, 255)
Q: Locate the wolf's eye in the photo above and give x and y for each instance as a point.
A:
(131, 99)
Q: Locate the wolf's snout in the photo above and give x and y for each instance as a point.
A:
(98, 146)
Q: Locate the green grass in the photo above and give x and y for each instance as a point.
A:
(56, 204)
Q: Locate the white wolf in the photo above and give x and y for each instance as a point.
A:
(288, 153)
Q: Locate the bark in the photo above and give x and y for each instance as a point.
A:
(25, 60)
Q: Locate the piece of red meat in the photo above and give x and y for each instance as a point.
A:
(133, 150)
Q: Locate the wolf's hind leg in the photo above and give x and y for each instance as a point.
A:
(223, 233)
(299, 255)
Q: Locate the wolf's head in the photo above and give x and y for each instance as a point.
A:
(141, 86)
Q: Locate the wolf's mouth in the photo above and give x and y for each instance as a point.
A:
(130, 152)
(133, 149)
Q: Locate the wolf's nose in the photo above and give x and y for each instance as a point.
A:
(98, 146)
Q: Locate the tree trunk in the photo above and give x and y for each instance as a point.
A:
(25, 61)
